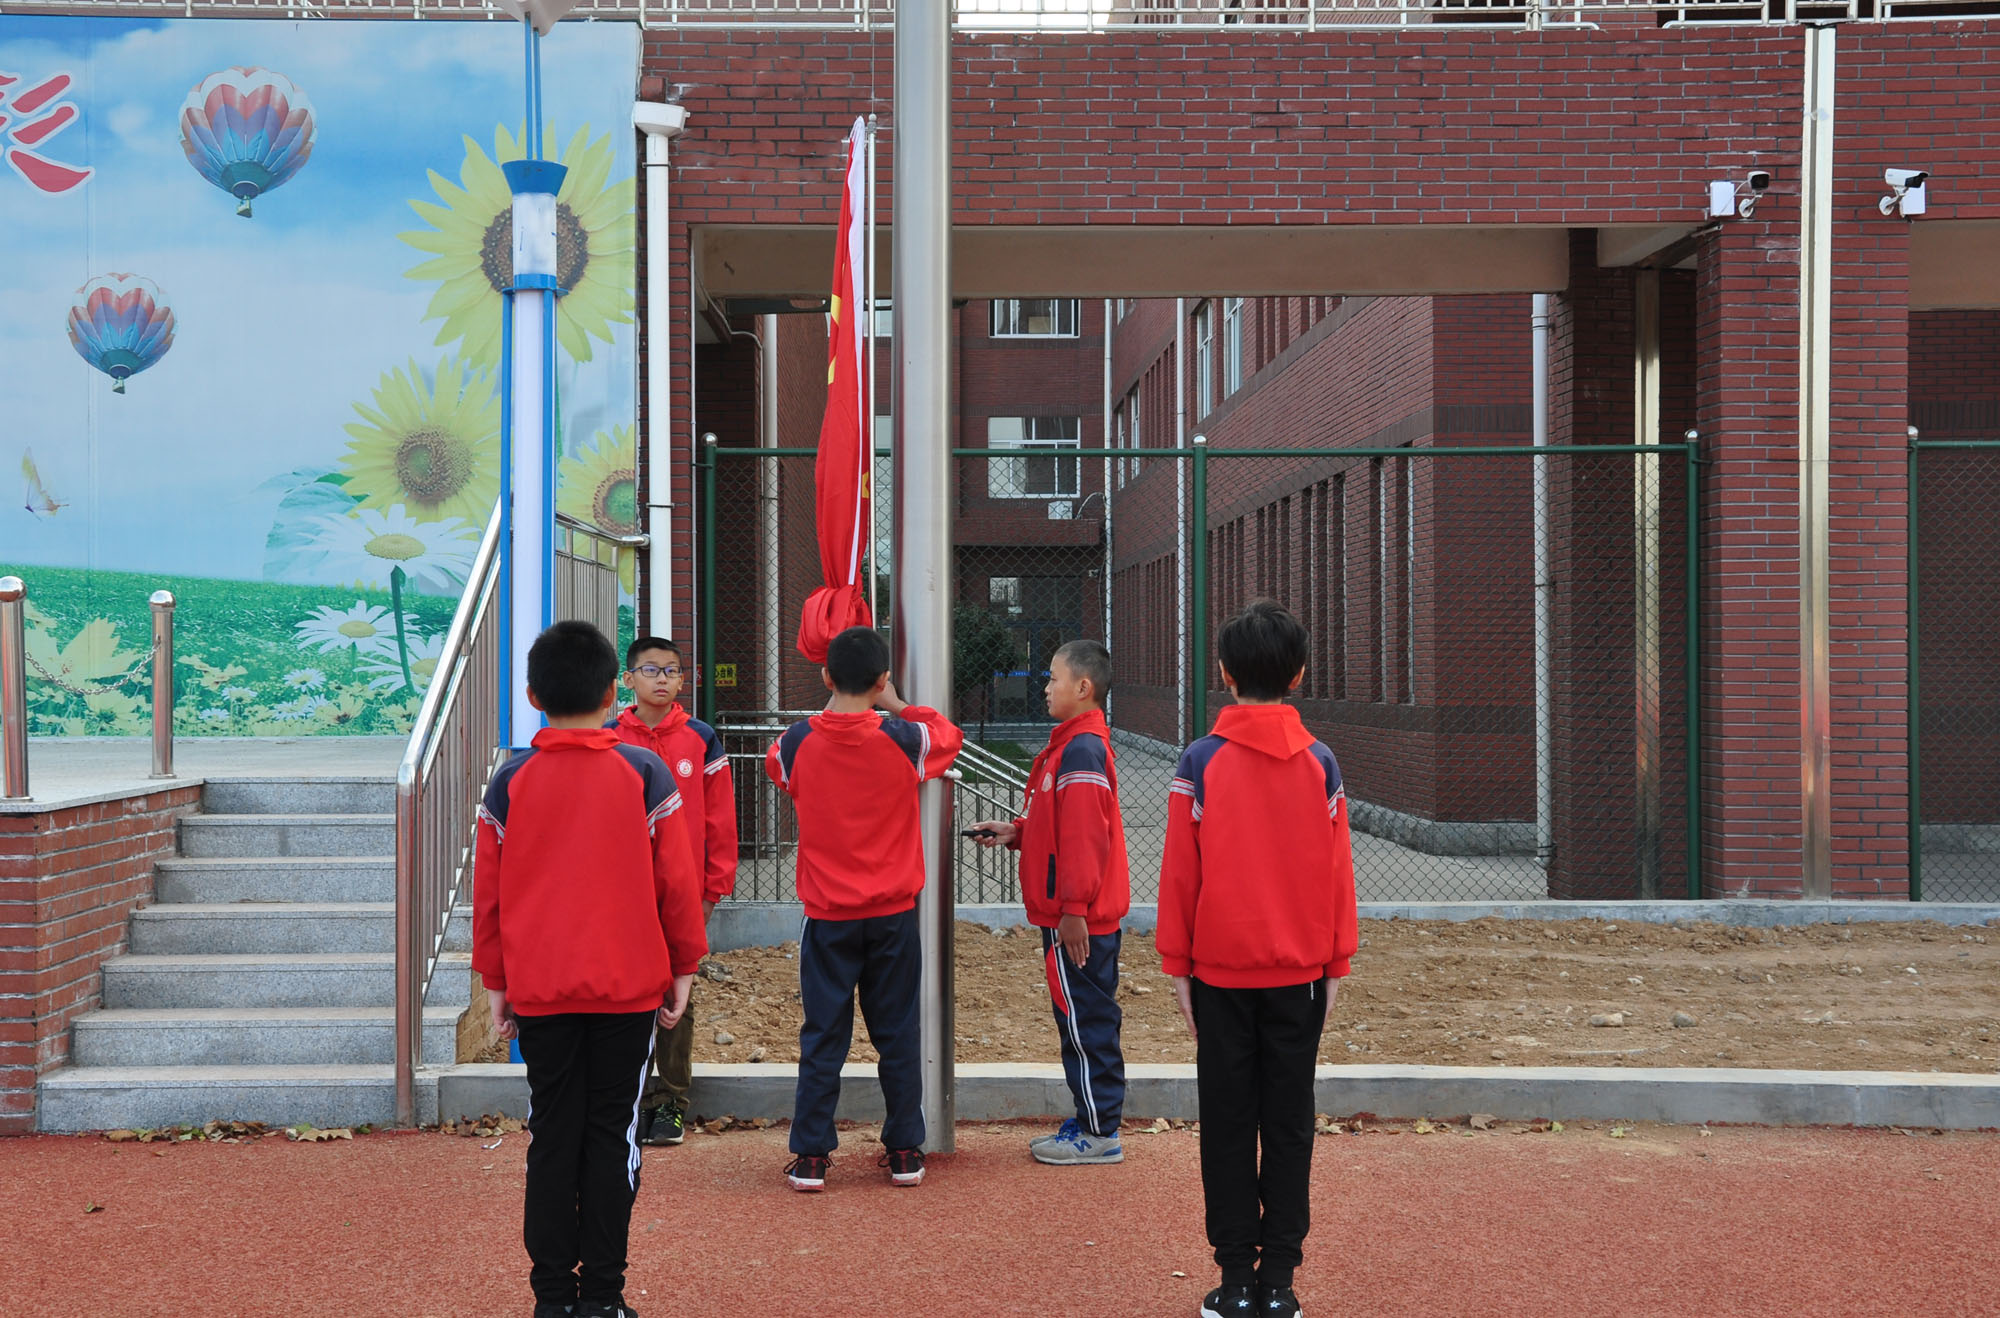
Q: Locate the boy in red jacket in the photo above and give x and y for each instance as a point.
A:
(1076, 888)
(654, 670)
(1257, 923)
(853, 778)
(586, 928)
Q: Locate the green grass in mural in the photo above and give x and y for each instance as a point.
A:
(242, 666)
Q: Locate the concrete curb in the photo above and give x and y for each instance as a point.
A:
(766, 924)
(1676, 1095)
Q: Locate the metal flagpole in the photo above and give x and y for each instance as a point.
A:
(921, 466)
(868, 348)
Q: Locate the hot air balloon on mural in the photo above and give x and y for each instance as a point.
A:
(247, 130)
(121, 324)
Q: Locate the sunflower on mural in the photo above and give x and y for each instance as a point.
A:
(600, 485)
(433, 448)
(472, 241)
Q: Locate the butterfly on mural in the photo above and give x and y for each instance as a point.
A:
(38, 499)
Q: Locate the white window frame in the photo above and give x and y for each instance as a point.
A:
(1204, 360)
(1033, 436)
(1009, 318)
(1232, 345)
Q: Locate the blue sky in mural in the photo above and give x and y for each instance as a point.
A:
(284, 320)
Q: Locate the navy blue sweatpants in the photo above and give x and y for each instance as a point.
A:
(883, 958)
(1088, 1019)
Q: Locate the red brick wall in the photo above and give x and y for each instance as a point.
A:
(69, 880)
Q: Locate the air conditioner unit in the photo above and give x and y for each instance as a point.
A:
(1060, 510)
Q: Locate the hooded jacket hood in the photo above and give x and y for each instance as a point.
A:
(676, 719)
(847, 729)
(1274, 730)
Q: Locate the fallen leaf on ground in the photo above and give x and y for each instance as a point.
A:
(1480, 1121)
(313, 1135)
(121, 1136)
(1423, 1127)
(93, 1208)
(1619, 1132)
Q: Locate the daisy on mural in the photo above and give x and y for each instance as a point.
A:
(433, 448)
(599, 485)
(472, 245)
(386, 674)
(360, 626)
(370, 548)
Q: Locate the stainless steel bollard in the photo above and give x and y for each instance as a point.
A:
(163, 683)
(13, 688)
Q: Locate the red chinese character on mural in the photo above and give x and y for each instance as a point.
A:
(27, 120)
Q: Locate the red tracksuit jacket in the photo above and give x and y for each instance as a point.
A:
(1257, 884)
(1072, 837)
(584, 898)
(853, 779)
(701, 772)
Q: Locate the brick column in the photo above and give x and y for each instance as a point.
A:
(1746, 405)
(1869, 538)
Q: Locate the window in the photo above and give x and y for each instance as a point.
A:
(885, 318)
(1035, 318)
(1232, 345)
(1043, 473)
(1003, 594)
(1204, 361)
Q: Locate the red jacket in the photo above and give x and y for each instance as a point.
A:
(701, 772)
(583, 896)
(1072, 837)
(853, 779)
(1257, 885)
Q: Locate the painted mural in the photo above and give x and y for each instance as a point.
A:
(250, 333)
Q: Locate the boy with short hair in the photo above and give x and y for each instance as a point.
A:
(1257, 923)
(654, 672)
(586, 929)
(1076, 888)
(853, 777)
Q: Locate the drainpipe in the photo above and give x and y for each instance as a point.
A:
(1188, 606)
(661, 123)
(1816, 180)
(1105, 589)
(1545, 758)
(767, 494)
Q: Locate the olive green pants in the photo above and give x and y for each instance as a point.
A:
(673, 1063)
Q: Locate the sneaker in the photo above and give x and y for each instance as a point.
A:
(1079, 1148)
(663, 1125)
(1230, 1302)
(600, 1309)
(807, 1172)
(1067, 1130)
(550, 1309)
(906, 1166)
(1276, 1302)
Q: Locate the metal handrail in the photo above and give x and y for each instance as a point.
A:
(452, 752)
(13, 689)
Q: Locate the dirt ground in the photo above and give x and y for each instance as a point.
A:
(1901, 997)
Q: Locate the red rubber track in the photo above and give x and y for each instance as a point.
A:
(1660, 1222)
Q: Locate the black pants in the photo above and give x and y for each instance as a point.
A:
(585, 1073)
(1254, 1059)
(883, 958)
(1087, 1021)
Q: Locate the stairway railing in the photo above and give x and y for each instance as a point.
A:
(452, 752)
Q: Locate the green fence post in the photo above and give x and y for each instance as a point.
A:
(1911, 662)
(1692, 664)
(706, 688)
(1198, 588)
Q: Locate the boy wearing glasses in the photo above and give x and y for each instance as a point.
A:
(655, 721)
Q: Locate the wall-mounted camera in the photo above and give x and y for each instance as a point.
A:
(1908, 193)
(1726, 198)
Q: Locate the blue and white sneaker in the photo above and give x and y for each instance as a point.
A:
(1078, 1148)
(1067, 1131)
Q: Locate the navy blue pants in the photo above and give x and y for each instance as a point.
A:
(1088, 1019)
(883, 958)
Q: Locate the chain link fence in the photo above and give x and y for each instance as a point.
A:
(1954, 679)
(1499, 741)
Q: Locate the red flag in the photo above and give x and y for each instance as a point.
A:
(841, 472)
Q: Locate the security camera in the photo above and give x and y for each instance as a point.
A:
(1759, 180)
(1908, 195)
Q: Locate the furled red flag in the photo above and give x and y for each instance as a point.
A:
(841, 473)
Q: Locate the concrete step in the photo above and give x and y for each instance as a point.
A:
(190, 928)
(255, 1036)
(141, 1097)
(205, 837)
(299, 979)
(299, 796)
(277, 879)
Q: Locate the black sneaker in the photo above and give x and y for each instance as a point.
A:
(1276, 1302)
(551, 1309)
(807, 1172)
(906, 1166)
(1230, 1302)
(599, 1309)
(663, 1125)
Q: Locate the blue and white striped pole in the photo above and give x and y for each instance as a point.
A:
(528, 400)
